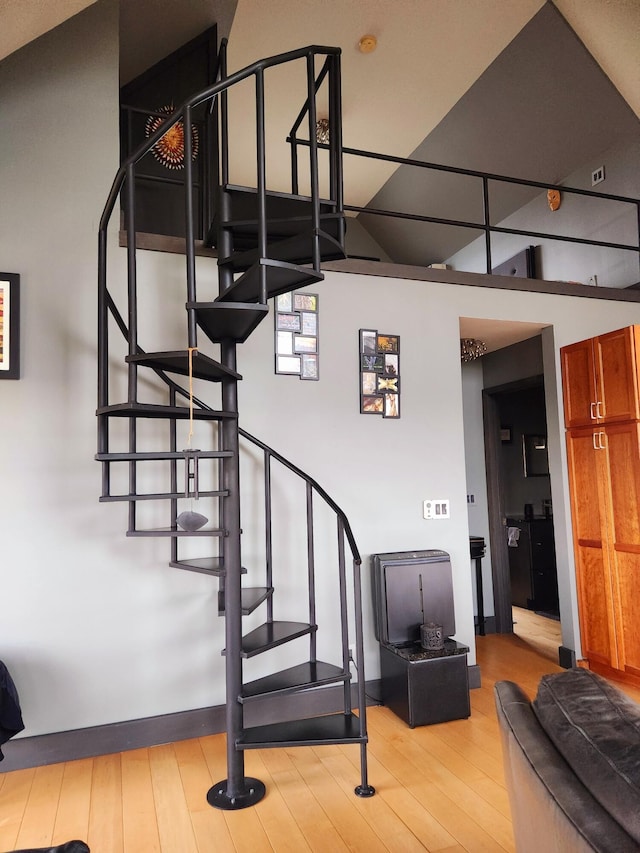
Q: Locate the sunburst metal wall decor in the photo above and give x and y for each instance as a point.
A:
(169, 149)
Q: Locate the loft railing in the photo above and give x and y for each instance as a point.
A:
(485, 226)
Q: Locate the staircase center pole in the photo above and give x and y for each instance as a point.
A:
(236, 791)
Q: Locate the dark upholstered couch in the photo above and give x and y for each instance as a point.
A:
(572, 764)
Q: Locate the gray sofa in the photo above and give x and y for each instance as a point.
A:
(572, 764)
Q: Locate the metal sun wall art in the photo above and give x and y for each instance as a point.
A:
(379, 374)
(296, 335)
(169, 149)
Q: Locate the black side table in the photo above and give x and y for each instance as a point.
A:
(423, 687)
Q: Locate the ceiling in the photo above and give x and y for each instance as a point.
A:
(497, 334)
(426, 86)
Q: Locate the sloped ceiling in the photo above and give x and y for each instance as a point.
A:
(429, 55)
(543, 108)
(22, 21)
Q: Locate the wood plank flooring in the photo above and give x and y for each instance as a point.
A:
(439, 788)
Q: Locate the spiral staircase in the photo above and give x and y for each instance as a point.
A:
(268, 243)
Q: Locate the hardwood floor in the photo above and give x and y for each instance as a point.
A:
(541, 633)
(439, 788)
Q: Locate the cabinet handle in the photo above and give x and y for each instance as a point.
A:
(593, 415)
(601, 441)
(593, 438)
(599, 414)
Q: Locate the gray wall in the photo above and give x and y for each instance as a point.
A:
(476, 474)
(95, 627)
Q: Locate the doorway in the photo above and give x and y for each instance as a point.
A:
(520, 510)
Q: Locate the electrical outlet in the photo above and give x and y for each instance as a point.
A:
(436, 508)
(597, 176)
(471, 499)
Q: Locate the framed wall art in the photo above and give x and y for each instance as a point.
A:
(296, 335)
(9, 325)
(379, 361)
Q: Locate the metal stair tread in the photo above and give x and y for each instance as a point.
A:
(284, 212)
(233, 321)
(146, 456)
(177, 361)
(253, 596)
(271, 634)
(301, 677)
(297, 249)
(156, 410)
(177, 531)
(204, 565)
(281, 278)
(312, 731)
(158, 496)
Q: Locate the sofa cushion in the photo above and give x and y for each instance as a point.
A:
(596, 729)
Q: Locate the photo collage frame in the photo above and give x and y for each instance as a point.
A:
(296, 335)
(379, 373)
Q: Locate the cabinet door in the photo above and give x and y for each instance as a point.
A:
(616, 375)
(543, 565)
(623, 497)
(520, 566)
(578, 384)
(588, 481)
(600, 379)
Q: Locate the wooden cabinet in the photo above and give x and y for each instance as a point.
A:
(600, 378)
(604, 478)
(532, 565)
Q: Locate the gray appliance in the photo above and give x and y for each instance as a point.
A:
(411, 588)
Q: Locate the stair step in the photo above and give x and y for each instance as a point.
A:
(177, 532)
(297, 249)
(286, 213)
(161, 496)
(300, 677)
(314, 731)
(272, 634)
(203, 367)
(153, 410)
(144, 456)
(205, 565)
(233, 321)
(281, 278)
(253, 597)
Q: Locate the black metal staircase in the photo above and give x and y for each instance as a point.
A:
(268, 243)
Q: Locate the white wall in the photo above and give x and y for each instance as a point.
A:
(578, 216)
(96, 627)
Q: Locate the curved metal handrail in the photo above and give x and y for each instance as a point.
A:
(195, 100)
(178, 389)
(314, 484)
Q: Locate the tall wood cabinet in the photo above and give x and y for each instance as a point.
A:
(600, 383)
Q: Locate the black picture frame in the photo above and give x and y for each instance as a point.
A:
(296, 341)
(379, 357)
(372, 404)
(9, 325)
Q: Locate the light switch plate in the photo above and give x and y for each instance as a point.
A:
(436, 508)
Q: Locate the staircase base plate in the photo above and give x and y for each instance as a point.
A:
(364, 791)
(254, 791)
